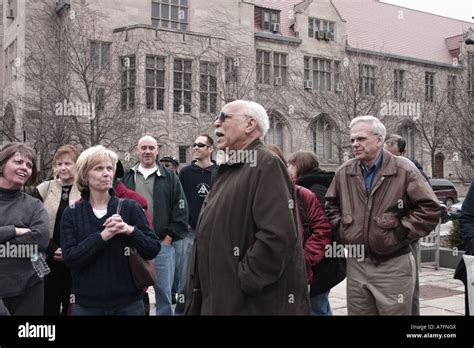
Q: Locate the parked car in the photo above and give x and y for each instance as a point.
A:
(445, 191)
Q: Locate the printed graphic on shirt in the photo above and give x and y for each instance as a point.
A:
(203, 189)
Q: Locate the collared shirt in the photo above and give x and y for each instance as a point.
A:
(369, 174)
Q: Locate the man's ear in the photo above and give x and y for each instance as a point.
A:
(251, 125)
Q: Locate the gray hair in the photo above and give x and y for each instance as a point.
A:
(255, 110)
(377, 126)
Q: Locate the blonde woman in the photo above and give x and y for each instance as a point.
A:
(95, 240)
(57, 194)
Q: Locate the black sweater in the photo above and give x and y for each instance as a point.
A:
(100, 269)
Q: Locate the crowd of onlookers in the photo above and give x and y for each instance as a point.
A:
(238, 237)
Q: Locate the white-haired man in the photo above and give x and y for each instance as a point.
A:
(247, 258)
(382, 202)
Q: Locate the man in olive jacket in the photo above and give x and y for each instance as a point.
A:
(380, 203)
(247, 257)
(169, 210)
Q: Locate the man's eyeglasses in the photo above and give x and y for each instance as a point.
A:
(223, 116)
(200, 145)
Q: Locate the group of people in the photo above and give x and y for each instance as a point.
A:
(250, 235)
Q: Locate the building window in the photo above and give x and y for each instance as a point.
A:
(208, 87)
(323, 133)
(127, 97)
(182, 85)
(10, 66)
(451, 89)
(367, 79)
(408, 132)
(267, 19)
(170, 14)
(100, 54)
(232, 70)
(275, 132)
(320, 29)
(155, 82)
(263, 67)
(429, 86)
(100, 99)
(183, 154)
(8, 123)
(319, 72)
(279, 68)
(398, 91)
(337, 76)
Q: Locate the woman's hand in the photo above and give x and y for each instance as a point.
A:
(116, 225)
(21, 231)
(58, 255)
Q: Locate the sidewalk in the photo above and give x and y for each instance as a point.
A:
(440, 293)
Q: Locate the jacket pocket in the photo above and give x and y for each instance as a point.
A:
(348, 231)
(387, 234)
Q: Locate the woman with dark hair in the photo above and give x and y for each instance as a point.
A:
(56, 195)
(23, 228)
(315, 231)
(304, 167)
(97, 238)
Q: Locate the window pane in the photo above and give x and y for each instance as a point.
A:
(160, 78)
(160, 99)
(203, 104)
(149, 98)
(177, 65)
(155, 10)
(187, 81)
(177, 81)
(174, 13)
(160, 63)
(187, 66)
(150, 62)
(150, 77)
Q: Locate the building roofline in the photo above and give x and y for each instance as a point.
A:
(398, 57)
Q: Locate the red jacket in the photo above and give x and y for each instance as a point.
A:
(317, 221)
(122, 191)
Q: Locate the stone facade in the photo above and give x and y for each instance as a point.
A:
(222, 38)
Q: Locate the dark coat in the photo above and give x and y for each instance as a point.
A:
(170, 208)
(248, 256)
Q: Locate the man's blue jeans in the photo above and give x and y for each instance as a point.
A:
(165, 267)
(320, 304)
(134, 308)
(184, 250)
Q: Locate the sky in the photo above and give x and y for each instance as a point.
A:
(459, 9)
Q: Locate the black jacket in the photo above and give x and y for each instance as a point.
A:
(197, 183)
(100, 269)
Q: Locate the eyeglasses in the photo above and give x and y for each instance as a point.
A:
(222, 116)
(200, 145)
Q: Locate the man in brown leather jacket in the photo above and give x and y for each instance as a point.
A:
(382, 203)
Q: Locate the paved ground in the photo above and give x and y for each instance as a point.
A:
(440, 294)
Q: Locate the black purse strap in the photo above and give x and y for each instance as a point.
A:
(304, 219)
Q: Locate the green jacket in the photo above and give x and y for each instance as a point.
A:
(170, 212)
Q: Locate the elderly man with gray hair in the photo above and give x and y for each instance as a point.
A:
(247, 257)
(383, 203)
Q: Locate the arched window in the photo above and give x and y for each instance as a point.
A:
(323, 138)
(275, 133)
(408, 132)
